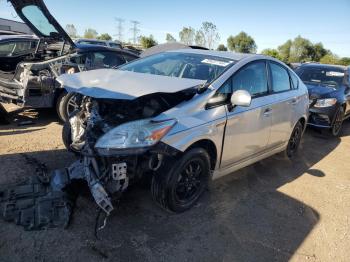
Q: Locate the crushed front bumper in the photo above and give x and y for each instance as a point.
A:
(322, 117)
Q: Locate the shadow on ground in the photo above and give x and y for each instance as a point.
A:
(26, 120)
(242, 217)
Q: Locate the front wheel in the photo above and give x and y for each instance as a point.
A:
(181, 187)
(66, 104)
(294, 141)
(338, 122)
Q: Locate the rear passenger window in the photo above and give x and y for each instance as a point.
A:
(295, 81)
(280, 78)
(251, 78)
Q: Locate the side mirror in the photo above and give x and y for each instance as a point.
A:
(241, 98)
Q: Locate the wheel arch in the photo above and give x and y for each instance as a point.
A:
(210, 147)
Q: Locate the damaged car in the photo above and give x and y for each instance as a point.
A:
(182, 118)
(28, 79)
(179, 118)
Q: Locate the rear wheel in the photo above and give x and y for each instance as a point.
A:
(181, 187)
(294, 141)
(338, 122)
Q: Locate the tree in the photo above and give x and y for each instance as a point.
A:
(71, 30)
(187, 35)
(330, 59)
(199, 38)
(345, 61)
(90, 33)
(318, 52)
(147, 42)
(169, 38)
(242, 43)
(284, 51)
(221, 47)
(210, 34)
(301, 50)
(104, 36)
(271, 52)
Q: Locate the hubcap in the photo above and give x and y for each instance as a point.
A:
(72, 104)
(189, 181)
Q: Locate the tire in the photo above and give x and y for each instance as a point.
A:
(337, 122)
(172, 191)
(294, 141)
(66, 104)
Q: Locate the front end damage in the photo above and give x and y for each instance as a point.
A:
(108, 171)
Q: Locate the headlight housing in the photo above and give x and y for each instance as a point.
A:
(326, 102)
(136, 134)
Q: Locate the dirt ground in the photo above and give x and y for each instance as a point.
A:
(275, 210)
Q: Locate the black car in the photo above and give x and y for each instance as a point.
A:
(28, 78)
(329, 93)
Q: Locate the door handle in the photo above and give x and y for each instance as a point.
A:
(267, 112)
(293, 102)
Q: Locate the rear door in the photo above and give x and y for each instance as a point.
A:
(284, 101)
(248, 128)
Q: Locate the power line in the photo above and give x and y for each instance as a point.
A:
(120, 28)
(135, 30)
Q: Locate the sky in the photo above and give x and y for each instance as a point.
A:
(269, 22)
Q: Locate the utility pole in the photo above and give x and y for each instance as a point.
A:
(135, 30)
(120, 28)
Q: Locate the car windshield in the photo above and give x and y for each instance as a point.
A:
(332, 77)
(182, 65)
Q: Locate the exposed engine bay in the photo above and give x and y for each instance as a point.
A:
(46, 201)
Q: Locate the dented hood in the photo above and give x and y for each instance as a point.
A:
(119, 84)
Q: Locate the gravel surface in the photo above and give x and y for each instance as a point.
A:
(275, 210)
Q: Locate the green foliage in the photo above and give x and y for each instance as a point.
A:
(330, 59)
(301, 50)
(221, 47)
(90, 33)
(209, 33)
(199, 38)
(284, 51)
(241, 43)
(271, 52)
(187, 35)
(104, 36)
(147, 42)
(344, 61)
(71, 30)
(169, 38)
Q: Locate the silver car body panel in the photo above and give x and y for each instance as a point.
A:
(246, 134)
(241, 136)
(118, 84)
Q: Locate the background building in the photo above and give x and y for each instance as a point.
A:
(7, 25)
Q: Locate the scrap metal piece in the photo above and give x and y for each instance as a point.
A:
(34, 205)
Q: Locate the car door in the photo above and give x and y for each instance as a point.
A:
(248, 128)
(284, 100)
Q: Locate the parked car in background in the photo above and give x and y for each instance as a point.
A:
(29, 66)
(111, 44)
(182, 117)
(329, 92)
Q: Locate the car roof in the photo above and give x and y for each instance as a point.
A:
(223, 54)
(81, 48)
(14, 37)
(324, 66)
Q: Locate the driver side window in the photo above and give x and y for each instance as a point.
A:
(252, 78)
